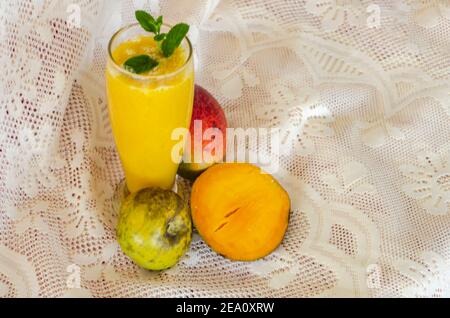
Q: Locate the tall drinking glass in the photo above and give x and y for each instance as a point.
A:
(145, 109)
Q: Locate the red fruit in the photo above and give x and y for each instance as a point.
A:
(208, 110)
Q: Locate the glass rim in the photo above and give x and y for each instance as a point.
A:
(150, 76)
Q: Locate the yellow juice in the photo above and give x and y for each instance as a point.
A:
(145, 109)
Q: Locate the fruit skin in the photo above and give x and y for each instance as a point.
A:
(241, 213)
(154, 228)
(207, 109)
(192, 171)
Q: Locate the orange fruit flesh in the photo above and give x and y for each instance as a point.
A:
(240, 212)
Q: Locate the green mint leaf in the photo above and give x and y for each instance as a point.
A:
(174, 38)
(159, 22)
(160, 37)
(146, 21)
(140, 64)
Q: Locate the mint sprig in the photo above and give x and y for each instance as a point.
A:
(160, 37)
(140, 64)
(173, 38)
(147, 22)
(167, 42)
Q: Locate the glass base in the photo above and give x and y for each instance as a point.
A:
(181, 186)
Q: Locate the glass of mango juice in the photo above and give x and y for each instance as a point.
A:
(146, 108)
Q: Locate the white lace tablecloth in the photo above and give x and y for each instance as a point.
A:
(364, 85)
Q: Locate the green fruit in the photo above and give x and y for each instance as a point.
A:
(154, 228)
(192, 171)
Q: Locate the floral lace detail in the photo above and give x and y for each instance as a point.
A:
(42, 173)
(17, 276)
(299, 116)
(429, 13)
(429, 182)
(351, 179)
(82, 216)
(376, 134)
(335, 13)
(280, 268)
(99, 267)
(233, 84)
(325, 218)
(29, 217)
(428, 276)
